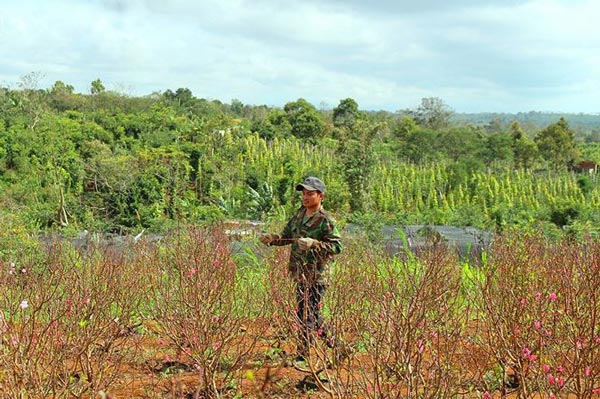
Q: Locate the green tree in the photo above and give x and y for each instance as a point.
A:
(462, 142)
(556, 144)
(346, 113)
(97, 87)
(516, 131)
(60, 87)
(182, 97)
(237, 107)
(52, 155)
(358, 159)
(525, 153)
(524, 149)
(421, 146)
(274, 124)
(499, 148)
(404, 127)
(304, 119)
(63, 98)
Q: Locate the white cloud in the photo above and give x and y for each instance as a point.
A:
(476, 55)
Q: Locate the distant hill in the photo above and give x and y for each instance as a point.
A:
(582, 122)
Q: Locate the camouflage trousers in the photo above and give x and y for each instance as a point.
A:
(309, 297)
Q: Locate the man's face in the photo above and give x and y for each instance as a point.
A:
(311, 199)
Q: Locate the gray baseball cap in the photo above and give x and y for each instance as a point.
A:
(311, 183)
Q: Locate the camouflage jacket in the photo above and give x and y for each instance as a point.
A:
(311, 265)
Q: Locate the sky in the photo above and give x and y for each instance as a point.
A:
(475, 55)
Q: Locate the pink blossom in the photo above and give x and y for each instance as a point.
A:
(369, 388)
(538, 296)
(560, 369)
(551, 396)
(537, 324)
(560, 382)
(588, 371)
(216, 263)
(191, 272)
(546, 368)
(527, 354)
(24, 304)
(552, 297)
(532, 358)
(486, 395)
(596, 391)
(420, 346)
(523, 302)
(551, 379)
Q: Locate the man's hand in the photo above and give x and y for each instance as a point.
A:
(267, 239)
(305, 243)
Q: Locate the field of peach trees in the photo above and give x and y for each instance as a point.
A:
(185, 317)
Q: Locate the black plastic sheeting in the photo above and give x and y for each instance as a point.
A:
(468, 242)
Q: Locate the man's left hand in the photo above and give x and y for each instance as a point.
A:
(305, 243)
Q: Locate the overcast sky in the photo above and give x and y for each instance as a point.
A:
(476, 55)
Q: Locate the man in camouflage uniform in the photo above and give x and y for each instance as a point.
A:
(314, 238)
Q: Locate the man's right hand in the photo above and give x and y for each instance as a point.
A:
(267, 239)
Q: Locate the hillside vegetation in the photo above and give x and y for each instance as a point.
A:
(109, 162)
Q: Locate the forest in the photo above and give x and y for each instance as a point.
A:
(110, 162)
